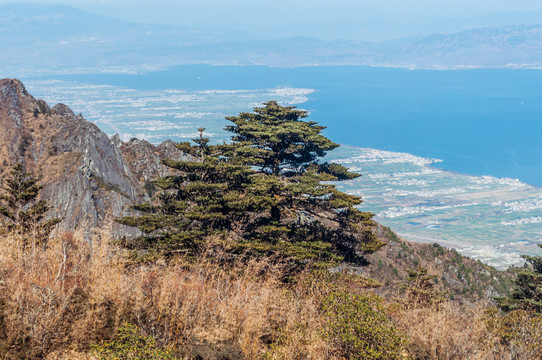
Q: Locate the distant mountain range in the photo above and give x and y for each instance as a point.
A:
(43, 39)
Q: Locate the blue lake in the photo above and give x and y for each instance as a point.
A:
(481, 122)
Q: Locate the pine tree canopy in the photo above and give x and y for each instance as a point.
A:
(274, 138)
(23, 213)
(265, 191)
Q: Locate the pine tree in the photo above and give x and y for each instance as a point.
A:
(24, 214)
(242, 190)
(275, 138)
(527, 294)
(420, 289)
(207, 196)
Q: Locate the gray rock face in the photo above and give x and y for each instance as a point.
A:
(145, 158)
(87, 180)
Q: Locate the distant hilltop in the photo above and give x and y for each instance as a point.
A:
(44, 39)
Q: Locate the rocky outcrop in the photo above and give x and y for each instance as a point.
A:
(88, 178)
(145, 158)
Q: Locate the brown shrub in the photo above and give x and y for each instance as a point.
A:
(58, 302)
(519, 331)
(455, 331)
(66, 297)
(445, 332)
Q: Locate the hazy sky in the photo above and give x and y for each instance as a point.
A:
(356, 19)
(232, 12)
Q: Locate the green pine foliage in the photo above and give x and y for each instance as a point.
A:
(420, 289)
(206, 197)
(527, 294)
(274, 137)
(23, 214)
(359, 328)
(131, 344)
(266, 191)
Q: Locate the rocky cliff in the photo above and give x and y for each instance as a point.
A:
(88, 178)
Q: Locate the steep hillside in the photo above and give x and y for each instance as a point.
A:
(86, 178)
(214, 294)
(458, 277)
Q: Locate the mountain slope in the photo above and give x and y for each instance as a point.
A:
(54, 37)
(519, 46)
(87, 180)
(457, 277)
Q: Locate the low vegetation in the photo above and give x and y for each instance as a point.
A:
(527, 294)
(68, 302)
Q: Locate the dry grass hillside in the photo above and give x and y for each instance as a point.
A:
(69, 302)
(460, 278)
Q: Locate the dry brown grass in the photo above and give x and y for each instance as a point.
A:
(69, 298)
(446, 332)
(57, 303)
(474, 332)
